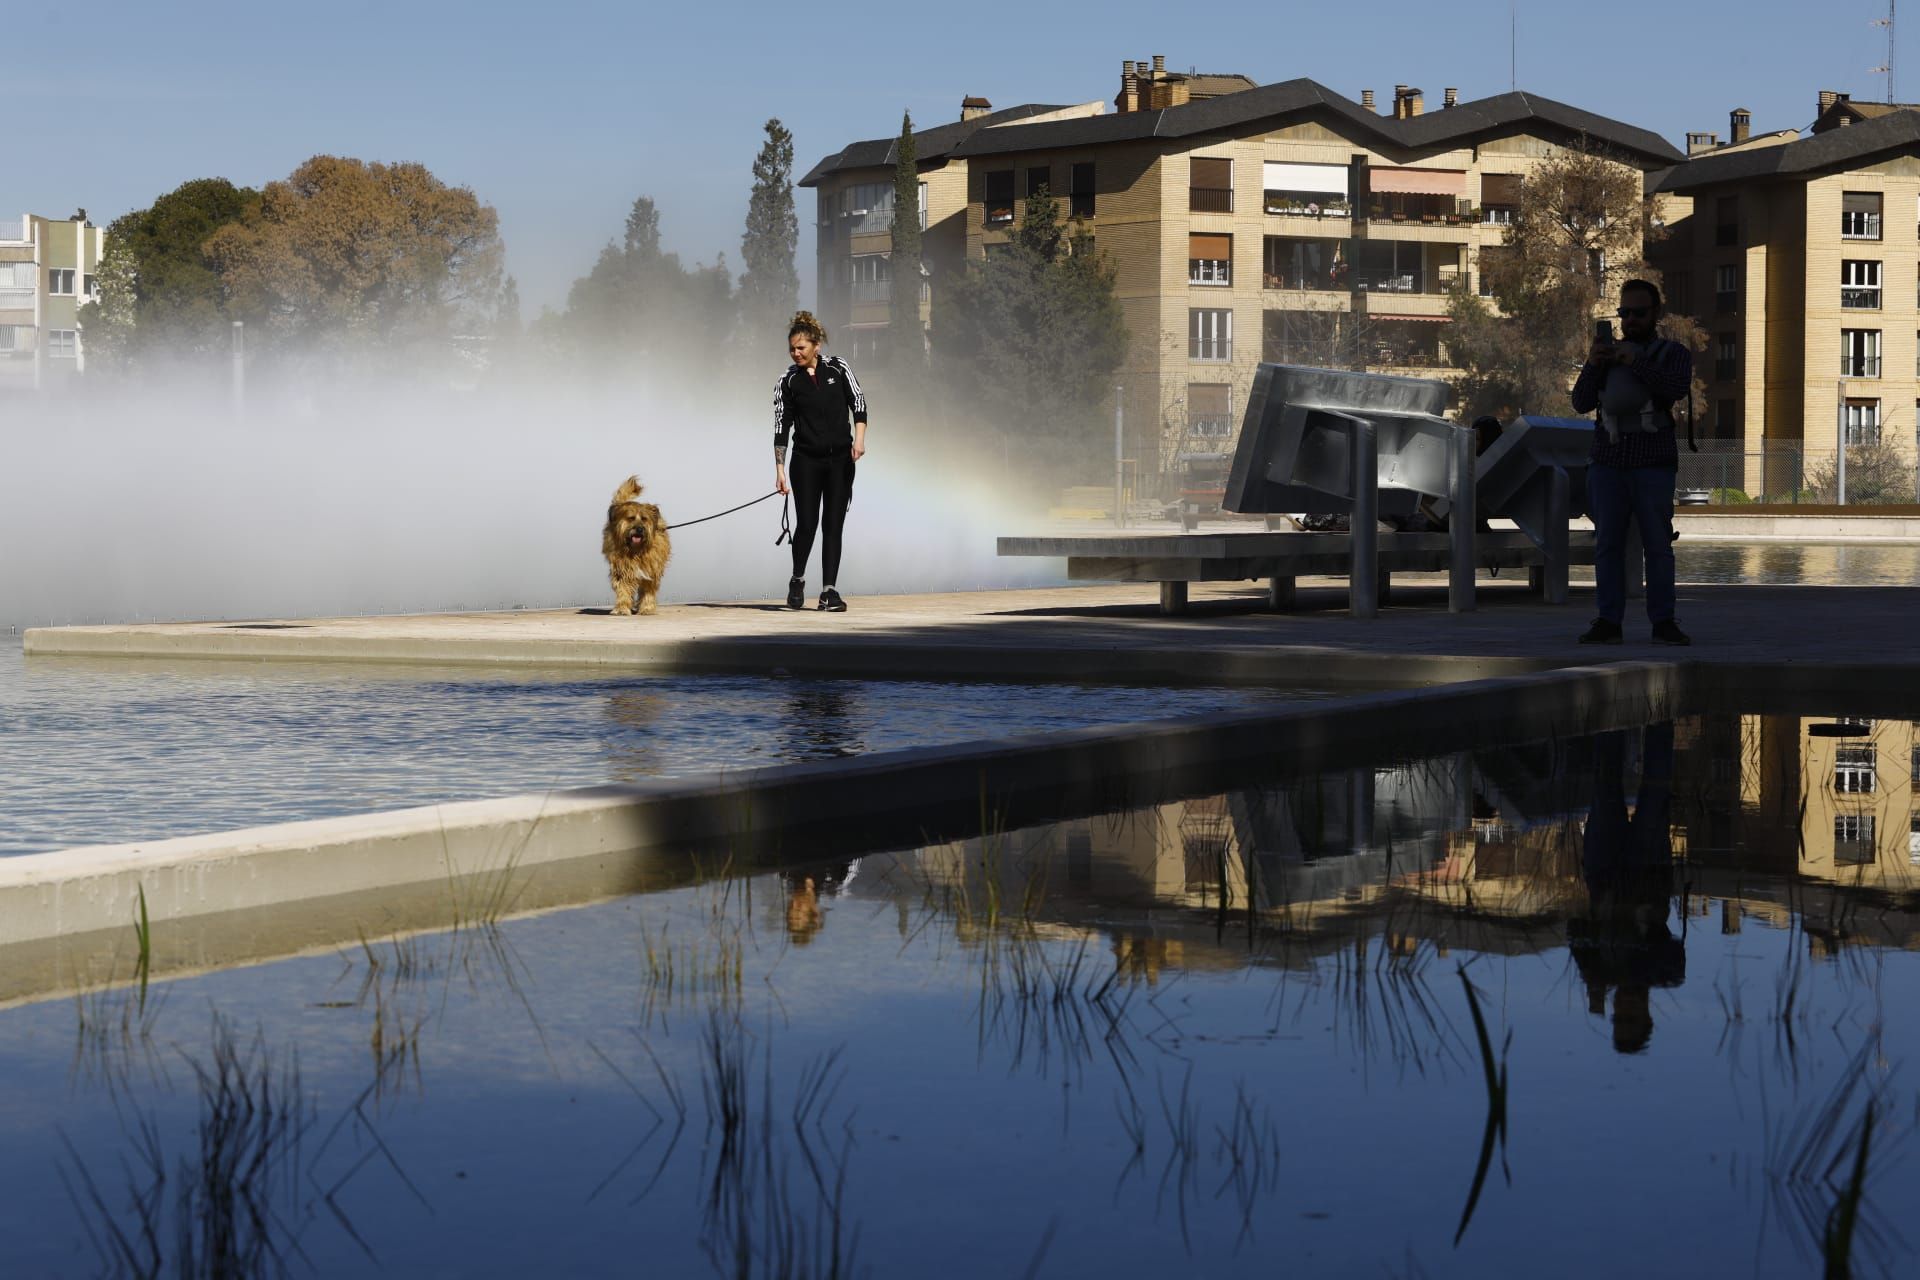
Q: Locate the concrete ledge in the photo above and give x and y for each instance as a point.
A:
(468, 862)
(1774, 525)
(867, 656)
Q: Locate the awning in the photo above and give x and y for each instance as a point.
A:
(1327, 179)
(1418, 182)
(1422, 319)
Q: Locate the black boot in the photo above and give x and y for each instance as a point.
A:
(796, 593)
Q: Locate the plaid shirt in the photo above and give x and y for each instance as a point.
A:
(1665, 367)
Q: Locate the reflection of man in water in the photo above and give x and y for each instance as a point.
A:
(1624, 942)
(805, 885)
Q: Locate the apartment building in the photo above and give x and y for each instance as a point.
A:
(46, 274)
(1245, 223)
(1801, 258)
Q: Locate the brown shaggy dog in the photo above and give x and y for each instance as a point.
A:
(636, 546)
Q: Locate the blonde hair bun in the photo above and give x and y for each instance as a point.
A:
(804, 322)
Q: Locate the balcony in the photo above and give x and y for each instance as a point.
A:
(1306, 204)
(1427, 210)
(871, 291)
(1212, 272)
(13, 298)
(1210, 199)
(1860, 366)
(1859, 226)
(1860, 297)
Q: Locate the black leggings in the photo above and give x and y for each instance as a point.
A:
(820, 482)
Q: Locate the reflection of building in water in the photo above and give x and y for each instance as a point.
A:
(1830, 798)
(1774, 820)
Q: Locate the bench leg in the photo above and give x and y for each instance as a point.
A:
(1280, 594)
(1173, 597)
(1383, 592)
(1537, 579)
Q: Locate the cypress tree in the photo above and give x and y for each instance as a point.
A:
(770, 284)
(906, 348)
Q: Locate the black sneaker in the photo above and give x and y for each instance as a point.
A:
(1602, 632)
(830, 602)
(1669, 632)
(796, 593)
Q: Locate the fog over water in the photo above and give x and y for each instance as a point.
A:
(152, 503)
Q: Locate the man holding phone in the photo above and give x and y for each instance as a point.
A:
(1631, 385)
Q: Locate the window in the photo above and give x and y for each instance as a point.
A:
(867, 208)
(1726, 228)
(1726, 356)
(1860, 285)
(1080, 191)
(1860, 215)
(60, 281)
(999, 197)
(1726, 287)
(1679, 292)
(1726, 419)
(1209, 409)
(9, 337)
(1210, 188)
(1913, 839)
(63, 344)
(1498, 214)
(1310, 190)
(1860, 353)
(872, 278)
(1853, 769)
(1209, 259)
(1863, 422)
(88, 288)
(1039, 178)
(1853, 838)
(923, 206)
(1209, 334)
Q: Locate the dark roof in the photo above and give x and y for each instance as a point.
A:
(1846, 148)
(1448, 126)
(928, 144)
(971, 101)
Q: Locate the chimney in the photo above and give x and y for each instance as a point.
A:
(974, 108)
(1159, 65)
(1452, 98)
(1827, 98)
(1366, 99)
(1129, 99)
(1697, 143)
(1416, 101)
(1741, 121)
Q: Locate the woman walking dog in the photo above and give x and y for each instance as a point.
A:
(811, 406)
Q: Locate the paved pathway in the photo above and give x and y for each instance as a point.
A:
(1729, 623)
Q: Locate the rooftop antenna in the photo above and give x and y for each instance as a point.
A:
(1513, 45)
(1886, 68)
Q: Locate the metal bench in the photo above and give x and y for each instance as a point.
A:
(1306, 435)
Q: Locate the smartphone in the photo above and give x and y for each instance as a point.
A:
(1603, 330)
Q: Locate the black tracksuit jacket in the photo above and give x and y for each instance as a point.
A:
(812, 411)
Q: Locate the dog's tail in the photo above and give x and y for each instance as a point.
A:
(629, 489)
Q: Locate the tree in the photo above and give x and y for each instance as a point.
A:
(350, 253)
(638, 302)
(1578, 232)
(1877, 473)
(770, 284)
(1032, 336)
(906, 345)
(157, 288)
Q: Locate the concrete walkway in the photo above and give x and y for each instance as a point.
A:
(1093, 632)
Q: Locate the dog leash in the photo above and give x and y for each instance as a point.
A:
(786, 524)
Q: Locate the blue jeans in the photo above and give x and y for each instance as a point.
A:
(1643, 495)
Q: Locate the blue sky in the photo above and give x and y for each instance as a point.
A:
(559, 113)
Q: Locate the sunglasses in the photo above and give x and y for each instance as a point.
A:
(1633, 313)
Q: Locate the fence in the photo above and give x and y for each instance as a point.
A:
(1722, 472)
